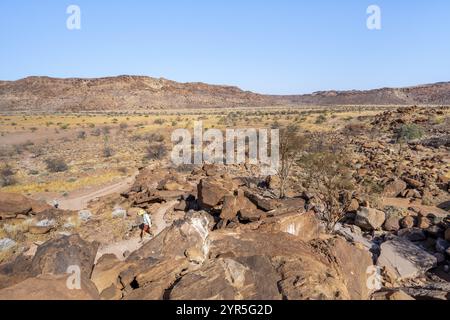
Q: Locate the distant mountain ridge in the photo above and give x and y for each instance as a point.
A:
(140, 93)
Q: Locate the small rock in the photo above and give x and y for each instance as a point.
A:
(435, 231)
(412, 193)
(353, 206)
(46, 223)
(119, 213)
(194, 255)
(84, 215)
(39, 229)
(181, 206)
(394, 188)
(447, 234)
(392, 224)
(412, 234)
(407, 222)
(423, 222)
(413, 183)
(442, 245)
(440, 257)
(369, 219)
(6, 244)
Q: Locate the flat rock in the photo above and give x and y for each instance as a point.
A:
(57, 255)
(404, 260)
(394, 188)
(369, 219)
(50, 287)
(412, 234)
(242, 278)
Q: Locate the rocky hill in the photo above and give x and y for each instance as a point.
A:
(431, 94)
(122, 93)
(131, 93)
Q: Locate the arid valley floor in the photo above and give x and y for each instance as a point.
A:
(362, 213)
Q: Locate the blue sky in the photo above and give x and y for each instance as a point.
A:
(278, 47)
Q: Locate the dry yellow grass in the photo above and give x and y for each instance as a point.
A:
(63, 185)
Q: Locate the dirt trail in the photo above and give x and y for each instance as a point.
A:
(79, 200)
(131, 245)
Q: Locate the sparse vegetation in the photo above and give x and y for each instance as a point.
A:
(7, 176)
(56, 165)
(325, 172)
(409, 132)
(156, 151)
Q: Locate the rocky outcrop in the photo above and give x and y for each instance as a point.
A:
(56, 256)
(370, 219)
(404, 260)
(50, 287)
(13, 205)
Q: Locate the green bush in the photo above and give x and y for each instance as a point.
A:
(56, 165)
(409, 132)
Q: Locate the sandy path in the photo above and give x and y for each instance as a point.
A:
(131, 245)
(79, 200)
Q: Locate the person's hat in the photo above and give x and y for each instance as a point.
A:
(141, 212)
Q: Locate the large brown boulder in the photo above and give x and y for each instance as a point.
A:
(353, 264)
(304, 226)
(57, 255)
(13, 204)
(242, 278)
(212, 192)
(50, 287)
(304, 273)
(156, 266)
(106, 272)
(240, 204)
(15, 271)
(369, 218)
(394, 188)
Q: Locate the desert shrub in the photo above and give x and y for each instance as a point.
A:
(81, 135)
(56, 165)
(186, 168)
(106, 130)
(409, 132)
(123, 170)
(321, 119)
(154, 137)
(20, 148)
(123, 125)
(291, 145)
(326, 173)
(156, 151)
(159, 121)
(108, 152)
(97, 132)
(7, 176)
